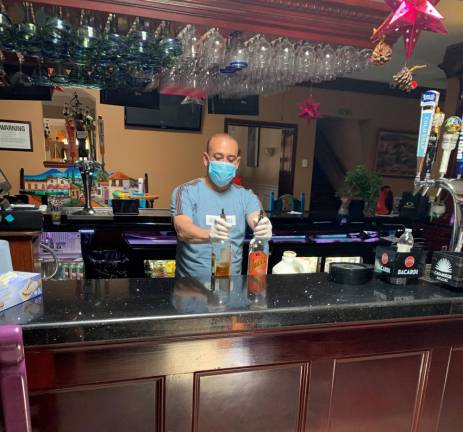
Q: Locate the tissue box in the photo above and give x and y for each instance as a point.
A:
(18, 287)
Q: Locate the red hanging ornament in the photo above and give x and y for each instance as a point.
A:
(408, 19)
(309, 109)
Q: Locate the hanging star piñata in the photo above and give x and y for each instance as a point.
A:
(309, 109)
(408, 19)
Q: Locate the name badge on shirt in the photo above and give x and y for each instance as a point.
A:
(231, 219)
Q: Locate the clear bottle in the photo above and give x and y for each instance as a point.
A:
(221, 256)
(405, 243)
(258, 255)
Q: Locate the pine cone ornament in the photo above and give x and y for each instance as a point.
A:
(381, 54)
(405, 79)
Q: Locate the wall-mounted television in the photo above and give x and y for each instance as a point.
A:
(171, 115)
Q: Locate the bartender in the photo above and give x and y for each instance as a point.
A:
(196, 207)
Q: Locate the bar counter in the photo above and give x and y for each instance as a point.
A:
(285, 353)
(118, 309)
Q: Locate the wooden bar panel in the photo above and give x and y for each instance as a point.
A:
(344, 378)
(179, 403)
(451, 415)
(321, 380)
(435, 384)
(380, 394)
(256, 400)
(117, 407)
(346, 22)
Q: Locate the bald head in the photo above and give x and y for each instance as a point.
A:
(222, 147)
(222, 141)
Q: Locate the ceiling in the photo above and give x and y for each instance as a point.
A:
(429, 50)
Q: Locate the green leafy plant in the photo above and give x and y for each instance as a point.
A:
(362, 184)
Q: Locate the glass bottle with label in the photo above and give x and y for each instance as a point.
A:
(221, 256)
(258, 255)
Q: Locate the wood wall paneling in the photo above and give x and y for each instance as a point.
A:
(451, 415)
(135, 406)
(348, 378)
(378, 393)
(265, 399)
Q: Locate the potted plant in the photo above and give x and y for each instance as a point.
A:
(362, 187)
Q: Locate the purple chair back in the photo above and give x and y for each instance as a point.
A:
(13, 380)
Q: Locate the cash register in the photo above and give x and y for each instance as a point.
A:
(17, 216)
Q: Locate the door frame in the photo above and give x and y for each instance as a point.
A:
(269, 125)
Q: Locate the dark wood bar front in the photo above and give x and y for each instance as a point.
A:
(290, 353)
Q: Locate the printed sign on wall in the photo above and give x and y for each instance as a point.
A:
(15, 135)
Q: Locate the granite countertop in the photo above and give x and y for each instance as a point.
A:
(118, 309)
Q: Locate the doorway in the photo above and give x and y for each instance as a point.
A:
(268, 156)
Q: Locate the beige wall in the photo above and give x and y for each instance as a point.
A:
(353, 125)
(12, 161)
(171, 158)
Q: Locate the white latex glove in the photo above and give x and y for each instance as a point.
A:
(219, 231)
(263, 229)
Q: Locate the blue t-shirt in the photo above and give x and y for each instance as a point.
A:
(202, 204)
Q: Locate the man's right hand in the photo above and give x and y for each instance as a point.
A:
(219, 231)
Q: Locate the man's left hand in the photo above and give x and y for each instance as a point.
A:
(263, 229)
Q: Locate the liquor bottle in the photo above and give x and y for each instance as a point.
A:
(258, 255)
(221, 256)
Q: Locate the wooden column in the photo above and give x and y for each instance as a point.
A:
(24, 248)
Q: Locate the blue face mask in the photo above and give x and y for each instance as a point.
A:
(221, 173)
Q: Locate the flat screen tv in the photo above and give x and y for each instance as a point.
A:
(171, 115)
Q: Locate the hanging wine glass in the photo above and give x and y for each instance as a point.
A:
(25, 34)
(170, 48)
(56, 35)
(85, 43)
(305, 62)
(328, 63)
(190, 43)
(113, 47)
(4, 81)
(348, 58)
(262, 54)
(318, 75)
(5, 28)
(19, 78)
(83, 51)
(214, 50)
(238, 58)
(363, 61)
(38, 77)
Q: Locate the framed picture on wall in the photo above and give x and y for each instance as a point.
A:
(253, 147)
(396, 154)
(15, 135)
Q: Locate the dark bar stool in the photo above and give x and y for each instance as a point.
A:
(13, 380)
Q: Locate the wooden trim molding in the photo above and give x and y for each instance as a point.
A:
(348, 22)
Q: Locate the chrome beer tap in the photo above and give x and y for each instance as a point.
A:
(453, 186)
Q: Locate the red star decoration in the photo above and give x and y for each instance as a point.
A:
(309, 109)
(408, 19)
